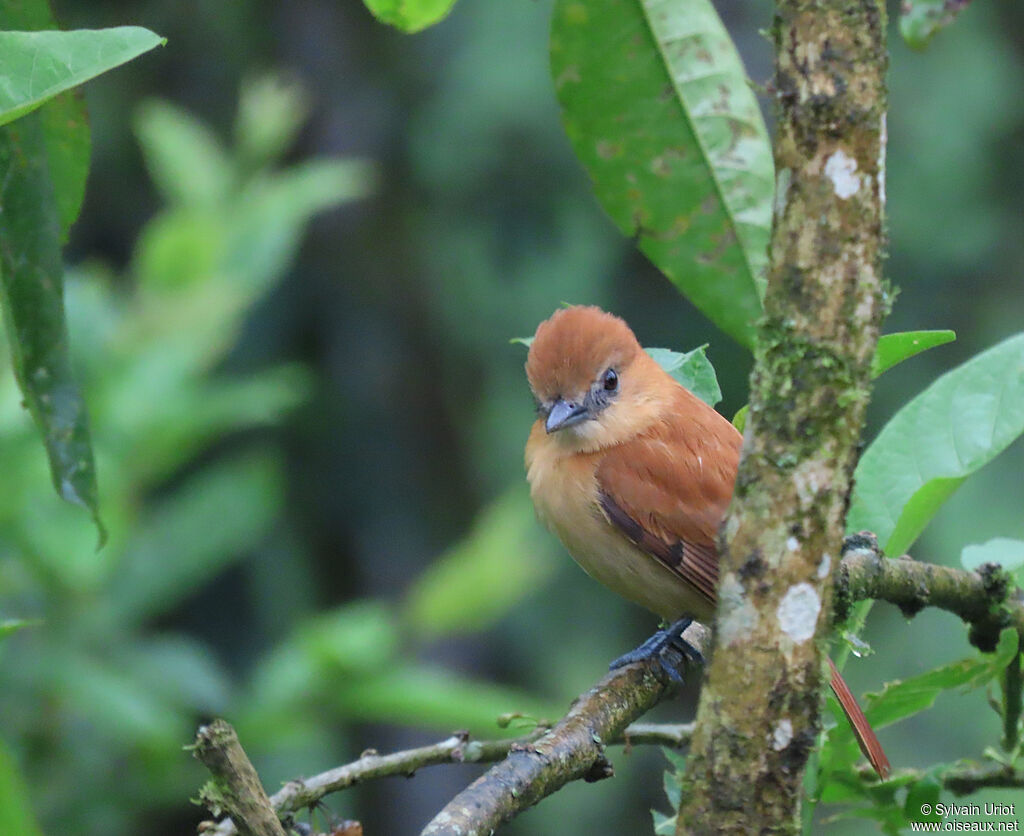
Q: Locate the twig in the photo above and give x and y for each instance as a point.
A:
(235, 788)
(966, 779)
(960, 779)
(299, 794)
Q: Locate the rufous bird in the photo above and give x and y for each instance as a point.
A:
(634, 473)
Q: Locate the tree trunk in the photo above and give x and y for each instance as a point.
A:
(760, 709)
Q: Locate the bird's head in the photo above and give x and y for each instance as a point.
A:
(593, 383)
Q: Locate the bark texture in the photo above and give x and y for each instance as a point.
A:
(759, 713)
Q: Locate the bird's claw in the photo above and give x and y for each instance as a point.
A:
(668, 647)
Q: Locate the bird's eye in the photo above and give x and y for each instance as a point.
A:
(611, 380)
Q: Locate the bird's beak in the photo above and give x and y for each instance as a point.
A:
(564, 414)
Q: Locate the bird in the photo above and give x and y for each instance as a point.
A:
(634, 474)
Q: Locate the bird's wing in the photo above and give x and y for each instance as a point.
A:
(668, 489)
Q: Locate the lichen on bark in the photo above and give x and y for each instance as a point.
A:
(759, 713)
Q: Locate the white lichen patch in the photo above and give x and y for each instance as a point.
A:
(782, 181)
(782, 736)
(798, 612)
(841, 169)
(808, 479)
(824, 565)
(883, 141)
(739, 617)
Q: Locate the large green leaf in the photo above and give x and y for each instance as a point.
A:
(410, 15)
(958, 424)
(32, 297)
(658, 108)
(920, 20)
(36, 66)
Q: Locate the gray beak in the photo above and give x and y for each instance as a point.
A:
(564, 414)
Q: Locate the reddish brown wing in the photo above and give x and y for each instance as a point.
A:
(668, 489)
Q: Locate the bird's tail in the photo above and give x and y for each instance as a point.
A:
(862, 730)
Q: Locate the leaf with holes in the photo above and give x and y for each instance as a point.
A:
(657, 106)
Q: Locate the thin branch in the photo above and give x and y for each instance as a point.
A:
(235, 788)
(299, 794)
(961, 779)
(965, 780)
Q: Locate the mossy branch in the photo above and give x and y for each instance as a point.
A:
(985, 600)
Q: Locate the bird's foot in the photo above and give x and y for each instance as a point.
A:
(666, 646)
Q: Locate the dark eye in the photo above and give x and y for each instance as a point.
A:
(610, 381)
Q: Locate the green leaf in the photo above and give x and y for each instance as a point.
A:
(354, 640)
(68, 143)
(904, 698)
(36, 66)
(16, 815)
(185, 159)
(920, 20)
(410, 15)
(273, 212)
(957, 425)
(673, 789)
(657, 106)
(739, 420)
(895, 348)
(65, 124)
(206, 525)
(921, 795)
(476, 583)
(32, 297)
(1006, 552)
(423, 695)
(663, 825)
(692, 369)
(271, 111)
(10, 626)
